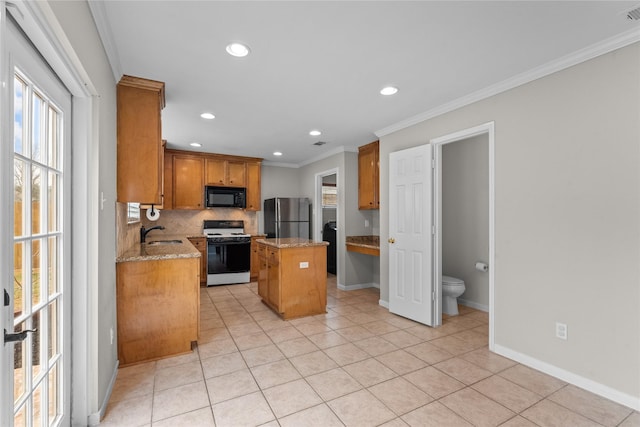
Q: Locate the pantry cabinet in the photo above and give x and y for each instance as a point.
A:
(369, 176)
(139, 140)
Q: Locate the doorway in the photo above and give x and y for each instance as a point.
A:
(326, 215)
(478, 158)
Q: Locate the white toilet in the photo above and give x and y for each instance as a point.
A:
(452, 288)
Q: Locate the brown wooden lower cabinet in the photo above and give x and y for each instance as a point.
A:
(293, 280)
(201, 244)
(158, 307)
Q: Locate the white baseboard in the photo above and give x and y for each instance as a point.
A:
(356, 286)
(473, 304)
(384, 303)
(607, 392)
(94, 419)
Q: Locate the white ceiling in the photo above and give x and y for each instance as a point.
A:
(320, 65)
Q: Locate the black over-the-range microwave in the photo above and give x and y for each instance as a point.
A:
(225, 197)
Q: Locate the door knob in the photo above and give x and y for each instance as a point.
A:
(392, 240)
(19, 336)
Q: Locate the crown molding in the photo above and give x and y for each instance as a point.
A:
(577, 57)
(106, 36)
(337, 150)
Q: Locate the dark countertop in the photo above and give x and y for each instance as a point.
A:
(145, 252)
(291, 242)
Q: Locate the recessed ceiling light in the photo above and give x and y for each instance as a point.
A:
(389, 90)
(207, 116)
(277, 153)
(315, 132)
(237, 49)
(195, 144)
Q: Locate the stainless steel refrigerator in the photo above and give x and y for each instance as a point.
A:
(287, 217)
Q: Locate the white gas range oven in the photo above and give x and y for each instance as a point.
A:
(228, 252)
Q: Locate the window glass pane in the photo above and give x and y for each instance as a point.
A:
(52, 267)
(52, 205)
(19, 363)
(53, 395)
(18, 116)
(38, 133)
(37, 360)
(37, 402)
(52, 139)
(53, 329)
(329, 195)
(36, 198)
(20, 420)
(19, 297)
(36, 258)
(19, 206)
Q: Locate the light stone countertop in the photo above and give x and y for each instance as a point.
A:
(291, 242)
(145, 252)
(372, 242)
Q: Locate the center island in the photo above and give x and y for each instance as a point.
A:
(292, 279)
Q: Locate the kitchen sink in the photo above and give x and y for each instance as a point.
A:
(164, 242)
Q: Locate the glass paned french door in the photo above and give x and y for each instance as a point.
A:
(38, 297)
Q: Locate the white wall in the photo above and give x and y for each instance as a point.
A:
(77, 23)
(567, 209)
(465, 216)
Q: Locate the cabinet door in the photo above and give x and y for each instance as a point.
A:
(368, 176)
(139, 146)
(201, 244)
(255, 259)
(263, 287)
(253, 186)
(273, 278)
(236, 174)
(216, 171)
(188, 188)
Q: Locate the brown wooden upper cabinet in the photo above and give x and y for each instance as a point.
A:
(188, 187)
(187, 173)
(139, 150)
(221, 172)
(369, 176)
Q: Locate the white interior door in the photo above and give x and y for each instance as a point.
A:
(411, 287)
(36, 365)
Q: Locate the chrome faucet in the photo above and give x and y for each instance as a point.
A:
(145, 231)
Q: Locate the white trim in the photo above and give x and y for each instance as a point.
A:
(94, 418)
(473, 304)
(337, 150)
(582, 55)
(317, 212)
(99, 14)
(357, 286)
(41, 26)
(384, 304)
(489, 129)
(605, 391)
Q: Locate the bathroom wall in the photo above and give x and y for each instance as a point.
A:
(465, 216)
(567, 203)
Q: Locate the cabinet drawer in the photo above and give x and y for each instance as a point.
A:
(199, 242)
(273, 256)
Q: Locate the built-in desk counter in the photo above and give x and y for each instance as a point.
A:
(368, 245)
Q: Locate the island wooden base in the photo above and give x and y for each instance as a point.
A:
(158, 308)
(293, 280)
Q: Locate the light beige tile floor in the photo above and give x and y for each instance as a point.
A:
(356, 365)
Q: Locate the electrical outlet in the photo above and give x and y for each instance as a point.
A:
(304, 264)
(561, 331)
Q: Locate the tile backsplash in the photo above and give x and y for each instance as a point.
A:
(177, 222)
(190, 221)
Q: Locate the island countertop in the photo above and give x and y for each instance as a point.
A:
(291, 242)
(146, 252)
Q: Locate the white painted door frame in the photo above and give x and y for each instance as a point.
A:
(438, 143)
(317, 211)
